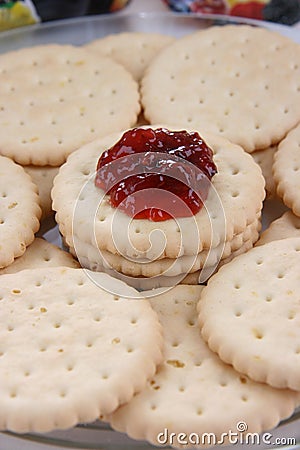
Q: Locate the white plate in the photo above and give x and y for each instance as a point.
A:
(79, 31)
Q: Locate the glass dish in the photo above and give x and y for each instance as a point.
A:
(99, 435)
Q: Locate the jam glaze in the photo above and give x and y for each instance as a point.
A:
(157, 174)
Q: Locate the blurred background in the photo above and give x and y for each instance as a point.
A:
(26, 12)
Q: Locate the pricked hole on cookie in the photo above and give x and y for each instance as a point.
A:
(181, 389)
(112, 113)
(259, 261)
(172, 99)
(191, 322)
(295, 168)
(223, 383)
(70, 367)
(269, 298)
(30, 307)
(266, 87)
(57, 325)
(97, 318)
(16, 291)
(80, 282)
(10, 328)
(70, 302)
(1, 354)
(297, 249)
(172, 77)
(24, 141)
(133, 321)
(280, 275)
(257, 126)
(27, 373)
(237, 285)
(199, 411)
(104, 376)
(38, 284)
(231, 94)
(153, 407)
(243, 380)
(92, 130)
(137, 230)
(291, 315)
(258, 334)
(186, 57)
(2, 221)
(116, 298)
(13, 394)
(238, 313)
(63, 393)
(85, 172)
(297, 351)
(189, 119)
(244, 398)
(43, 348)
(89, 344)
(235, 194)
(130, 349)
(175, 344)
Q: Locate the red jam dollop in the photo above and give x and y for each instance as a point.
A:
(173, 170)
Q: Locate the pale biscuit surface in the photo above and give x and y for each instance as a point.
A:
(286, 170)
(41, 253)
(193, 391)
(234, 200)
(263, 317)
(240, 81)
(264, 158)
(70, 350)
(19, 211)
(134, 50)
(288, 225)
(55, 98)
(43, 177)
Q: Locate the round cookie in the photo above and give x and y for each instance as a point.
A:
(41, 253)
(19, 211)
(288, 225)
(225, 80)
(134, 50)
(194, 393)
(90, 350)
(55, 98)
(286, 170)
(234, 200)
(263, 318)
(43, 177)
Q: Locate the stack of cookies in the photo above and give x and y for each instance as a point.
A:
(104, 238)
